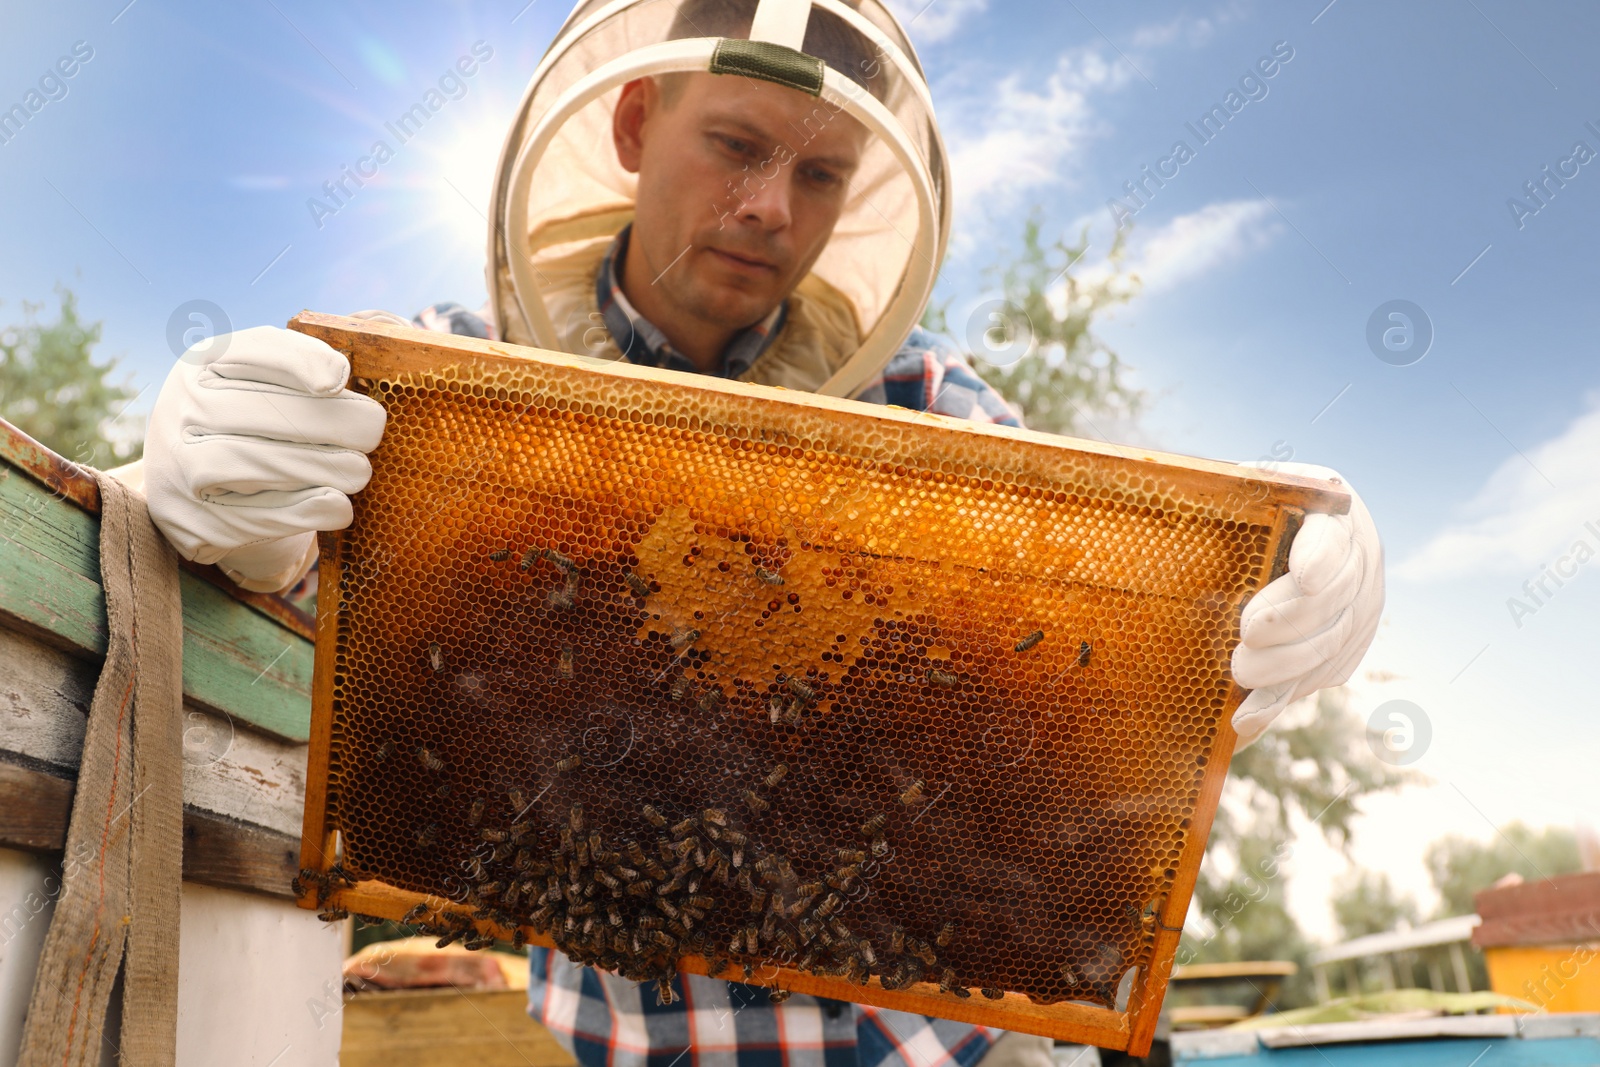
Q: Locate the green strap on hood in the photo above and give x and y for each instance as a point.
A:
(769, 62)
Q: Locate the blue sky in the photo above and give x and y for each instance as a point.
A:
(1374, 165)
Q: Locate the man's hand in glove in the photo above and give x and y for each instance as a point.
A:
(254, 445)
(1309, 629)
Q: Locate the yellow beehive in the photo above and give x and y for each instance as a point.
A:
(670, 671)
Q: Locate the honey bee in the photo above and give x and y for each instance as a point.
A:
(563, 563)
(475, 869)
(758, 900)
(681, 831)
(946, 934)
(830, 904)
(1029, 641)
(913, 793)
(568, 763)
(518, 800)
(1083, 653)
(564, 665)
(897, 941)
(443, 789)
(475, 815)
(561, 599)
(755, 801)
(708, 700)
(636, 585)
(851, 855)
(664, 994)
(715, 816)
(800, 689)
(874, 826)
(682, 639)
(426, 757)
(776, 776)
(524, 860)
(655, 870)
(575, 818)
(775, 709)
(922, 950)
(417, 912)
(608, 881)
(993, 994)
(652, 816)
(767, 866)
(500, 555)
(735, 838)
(435, 657)
(385, 750)
(880, 847)
(494, 837)
(868, 955)
(942, 679)
(767, 577)
(428, 835)
(333, 915)
(528, 557)
(751, 943)
(680, 687)
(947, 980)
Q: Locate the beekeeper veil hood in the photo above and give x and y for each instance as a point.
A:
(559, 187)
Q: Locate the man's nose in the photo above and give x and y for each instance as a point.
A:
(765, 196)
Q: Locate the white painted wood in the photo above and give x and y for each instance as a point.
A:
(258, 978)
(229, 768)
(259, 982)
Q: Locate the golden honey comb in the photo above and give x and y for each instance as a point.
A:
(670, 671)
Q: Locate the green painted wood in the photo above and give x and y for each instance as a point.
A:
(235, 660)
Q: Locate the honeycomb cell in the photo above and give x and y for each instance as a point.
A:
(654, 670)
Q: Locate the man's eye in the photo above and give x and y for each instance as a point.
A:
(736, 146)
(822, 177)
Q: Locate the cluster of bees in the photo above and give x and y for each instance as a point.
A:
(701, 886)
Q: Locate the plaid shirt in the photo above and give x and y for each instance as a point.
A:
(608, 1021)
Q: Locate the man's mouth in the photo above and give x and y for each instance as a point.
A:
(744, 263)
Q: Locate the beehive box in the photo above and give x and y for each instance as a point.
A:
(672, 673)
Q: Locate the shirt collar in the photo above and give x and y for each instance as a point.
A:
(642, 343)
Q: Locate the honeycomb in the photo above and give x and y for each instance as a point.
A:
(651, 668)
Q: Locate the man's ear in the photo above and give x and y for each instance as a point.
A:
(640, 99)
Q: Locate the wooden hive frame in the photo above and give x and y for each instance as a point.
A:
(1276, 501)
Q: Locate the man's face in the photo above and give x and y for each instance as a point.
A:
(740, 185)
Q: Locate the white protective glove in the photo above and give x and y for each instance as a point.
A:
(1309, 629)
(254, 445)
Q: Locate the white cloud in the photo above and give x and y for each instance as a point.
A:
(930, 22)
(1183, 29)
(1023, 135)
(1532, 508)
(1167, 255)
(1201, 240)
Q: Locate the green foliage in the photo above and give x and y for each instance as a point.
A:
(1460, 866)
(1365, 902)
(1072, 381)
(51, 388)
(1316, 768)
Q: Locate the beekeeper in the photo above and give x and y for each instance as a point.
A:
(754, 189)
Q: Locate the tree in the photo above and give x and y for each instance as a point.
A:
(52, 389)
(1071, 380)
(1460, 866)
(1316, 766)
(1365, 902)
